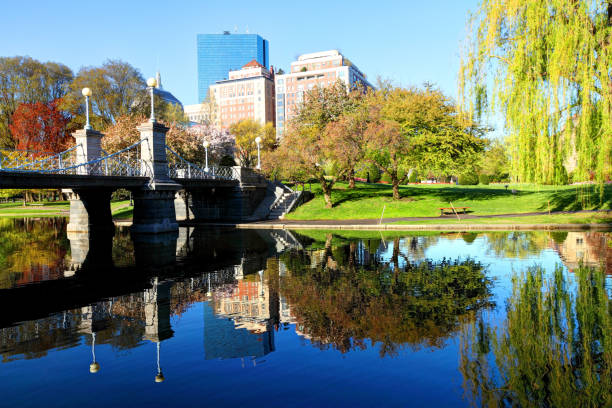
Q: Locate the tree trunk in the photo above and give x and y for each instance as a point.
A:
(326, 186)
(396, 194)
(351, 179)
(395, 257)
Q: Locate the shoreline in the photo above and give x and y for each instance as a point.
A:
(405, 227)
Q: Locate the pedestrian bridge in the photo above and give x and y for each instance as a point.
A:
(162, 182)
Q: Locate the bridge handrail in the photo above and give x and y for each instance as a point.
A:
(213, 172)
(100, 160)
(41, 161)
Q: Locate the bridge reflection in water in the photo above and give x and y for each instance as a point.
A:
(120, 291)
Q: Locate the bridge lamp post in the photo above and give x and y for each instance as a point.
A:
(151, 84)
(86, 93)
(258, 141)
(206, 144)
(160, 376)
(94, 367)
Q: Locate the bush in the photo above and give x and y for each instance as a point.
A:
(414, 177)
(368, 169)
(120, 194)
(469, 179)
(483, 179)
(387, 178)
(227, 161)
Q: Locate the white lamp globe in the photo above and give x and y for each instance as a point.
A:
(151, 82)
(86, 92)
(206, 144)
(258, 140)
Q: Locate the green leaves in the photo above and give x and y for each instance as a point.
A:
(542, 65)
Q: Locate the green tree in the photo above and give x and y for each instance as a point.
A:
(304, 149)
(419, 128)
(345, 137)
(494, 162)
(545, 65)
(245, 132)
(118, 89)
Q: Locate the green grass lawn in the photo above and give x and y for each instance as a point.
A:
(366, 201)
(119, 209)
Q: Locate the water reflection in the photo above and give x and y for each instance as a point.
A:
(340, 300)
(554, 347)
(253, 296)
(31, 250)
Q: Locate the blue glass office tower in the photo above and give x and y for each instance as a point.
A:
(220, 53)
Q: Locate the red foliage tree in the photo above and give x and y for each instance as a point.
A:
(40, 126)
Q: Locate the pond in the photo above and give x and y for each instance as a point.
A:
(211, 317)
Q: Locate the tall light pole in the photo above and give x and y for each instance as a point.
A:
(258, 141)
(152, 83)
(86, 93)
(206, 144)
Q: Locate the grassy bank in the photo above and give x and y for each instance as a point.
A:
(366, 201)
(119, 209)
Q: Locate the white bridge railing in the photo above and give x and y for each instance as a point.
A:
(28, 160)
(182, 169)
(126, 162)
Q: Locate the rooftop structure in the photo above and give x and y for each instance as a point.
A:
(165, 95)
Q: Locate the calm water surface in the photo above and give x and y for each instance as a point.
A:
(305, 318)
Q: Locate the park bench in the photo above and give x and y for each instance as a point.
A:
(451, 209)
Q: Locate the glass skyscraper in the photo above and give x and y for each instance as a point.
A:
(220, 53)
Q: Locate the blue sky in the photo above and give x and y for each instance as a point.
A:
(407, 41)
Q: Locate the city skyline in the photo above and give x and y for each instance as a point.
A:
(403, 46)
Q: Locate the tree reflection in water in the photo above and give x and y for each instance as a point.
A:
(554, 348)
(340, 299)
(31, 250)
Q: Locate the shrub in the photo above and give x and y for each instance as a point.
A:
(368, 168)
(483, 179)
(227, 161)
(387, 178)
(469, 179)
(121, 194)
(414, 177)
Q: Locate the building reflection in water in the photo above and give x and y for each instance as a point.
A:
(238, 319)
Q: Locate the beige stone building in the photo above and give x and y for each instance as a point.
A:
(248, 93)
(310, 70)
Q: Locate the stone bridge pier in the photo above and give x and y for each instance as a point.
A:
(154, 204)
(89, 206)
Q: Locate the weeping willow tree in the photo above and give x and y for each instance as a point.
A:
(546, 66)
